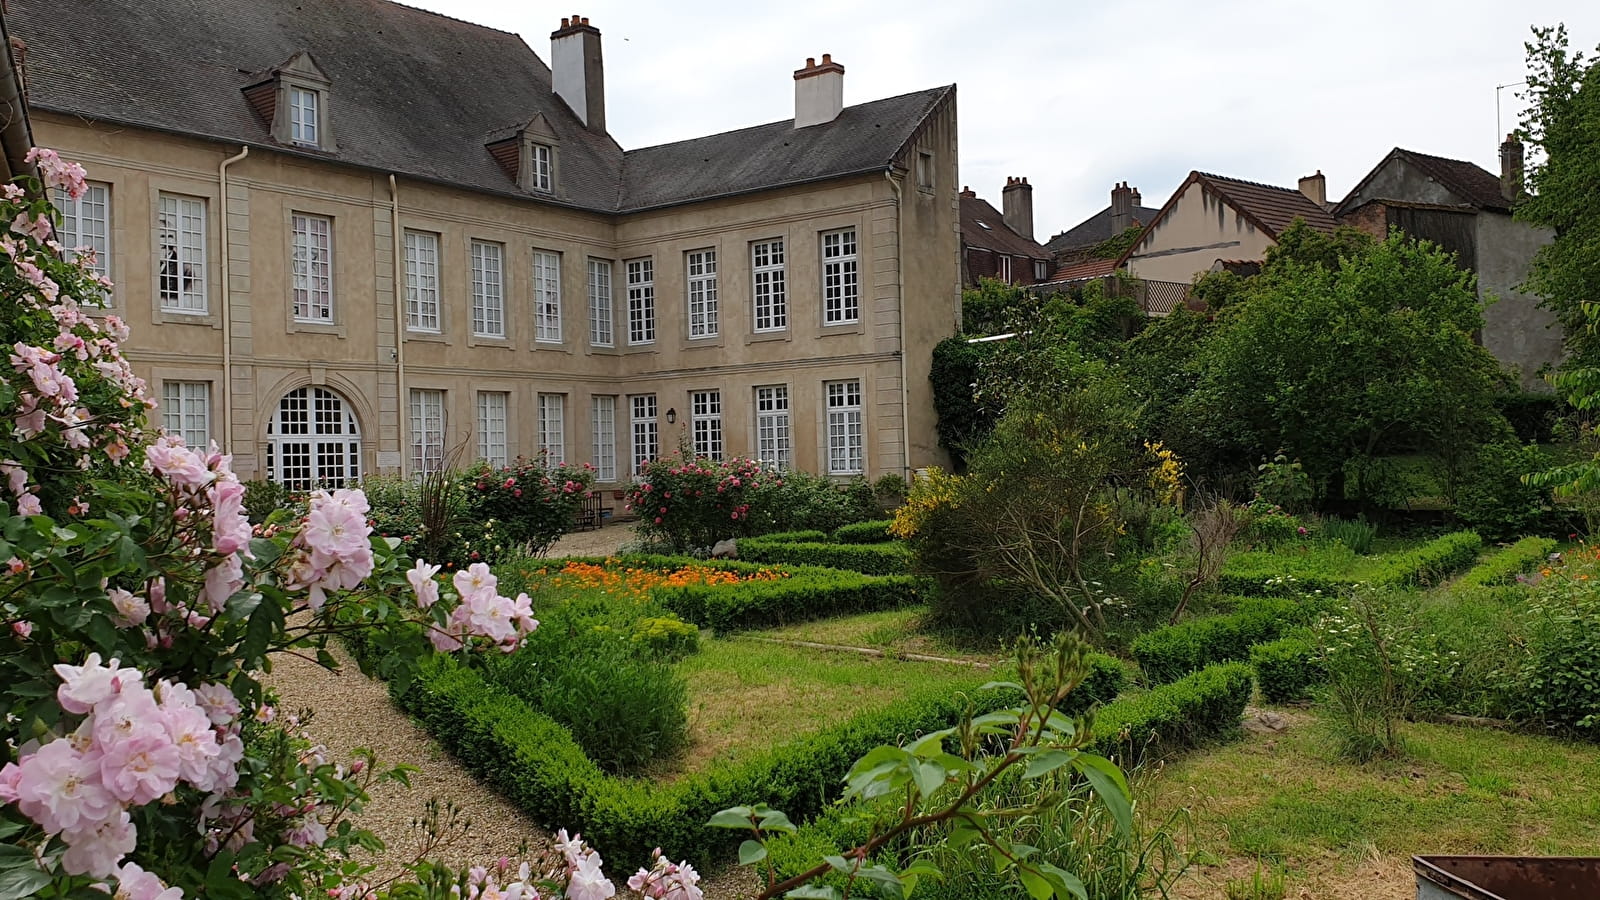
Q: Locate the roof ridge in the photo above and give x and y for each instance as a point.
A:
(1449, 159)
(1260, 184)
(441, 15)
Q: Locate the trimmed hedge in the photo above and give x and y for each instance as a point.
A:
(1167, 654)
(1502, 566)
(1289, 667)
(871, 559)
(808, 536)
(873, 532)
(1422, 566)
(535, 763)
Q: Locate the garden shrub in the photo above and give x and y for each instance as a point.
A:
(803, 501)
(263, 497)
(872, 559)
(874, 531)
(666, 637)
(1284, 483)
(1267, 525)
(808, 536)
(1504, 565)
(809, 593)
(690, 503)
(1357, 534)
(1556, 682)
(1289, 667)
(1167, 654)
(1493, 499)
(533, 503)
(1432, 562)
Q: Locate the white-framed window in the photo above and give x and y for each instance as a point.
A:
(600, 303)
(427, 430)
(492, 427)
(311, 267)
(541, 168)
(770, 285)
(705, 414)
(774, 438)
(85, 228)
(546, 297)
(422, 281)
(701, 269)
(552, 431)
(181, 253)
(1041, 270)
(845, 446)
(186, 412)
(1005, 267)
(641, 301)
(646, 437)
(841, 287)
(303, 105)
(313, 441)
(603, 416)
(488, 289)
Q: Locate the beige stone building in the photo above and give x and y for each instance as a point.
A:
(351, 236)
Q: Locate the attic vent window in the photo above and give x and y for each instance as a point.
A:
(303, 105)
(984, 225)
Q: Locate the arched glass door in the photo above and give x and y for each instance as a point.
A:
(313, 441)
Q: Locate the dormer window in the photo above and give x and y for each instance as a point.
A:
(539, 160)
(528, 154)
(292, 101)
(303, 107)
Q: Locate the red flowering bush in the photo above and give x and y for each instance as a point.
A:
(693, 503)
(528, 503)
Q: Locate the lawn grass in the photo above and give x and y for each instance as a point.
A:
(1289, 799)
(1325, 559)
(892, 631)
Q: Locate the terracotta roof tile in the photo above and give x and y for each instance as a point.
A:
(1083, 271)
(1272, 208)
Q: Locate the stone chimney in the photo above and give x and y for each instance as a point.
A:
(577, 71)
(818, 92)
(968, 192)
(1315, 187)
(1016, 202)
(1137, 201)
(1121, 208)
(1511, 169)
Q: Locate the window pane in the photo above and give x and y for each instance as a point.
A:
(641, 301)
(600, 302)
(645, 447)
(186, 411)
(427, 431)
(774, 439)
(181, 253)
(488, 294)
(552, 436)
(841, 301)
(85, 229)
(701, 268)
(771, 291)
(845, 436)
(706, 426)
(603, 415)
(422, 281)
(547, 297)
(492, 427)
(311, 268)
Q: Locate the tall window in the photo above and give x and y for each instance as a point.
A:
(85, 228)
(313, 441)
(488, 290)
(600, 302)
(603, 413)
(771, 289)
(552, 434)
(645, 437)
(845, 449)
(492, 427)
(706, 415)
(641, 301)
(427, 431)
(422, 281)
(303, 116)
(841, 289)
(701, 266)
(186, 411)
(774, 440)
(181, 258)
(311, 265)
(1005, 268)
(540, 161)
(546, 297)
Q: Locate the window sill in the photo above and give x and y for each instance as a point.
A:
(552, 347)
(709, 342)
(856, 327)
(762, 337)
(174, 317)
(499, 343)
(426, 337)
(303, 327)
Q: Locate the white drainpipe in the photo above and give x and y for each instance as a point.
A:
(227, 303)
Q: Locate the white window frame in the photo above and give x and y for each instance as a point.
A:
(1004, 267)
(311, 267)
(841, 277)
(317, 426)
(705, 416)
(546, 297)
(847, 452)
(181, 232)
(86, 224)
(488, 289)
(603, 431)
(552, 428)
(641, 280)
(305, 106)
(769, 285)
(186, 412)
(493, 411)
(422, 282)
(700, 274)
(1041, 270)
(646, 431)
(601, 316)
(774, 428)
(541, 167)
(427, 430)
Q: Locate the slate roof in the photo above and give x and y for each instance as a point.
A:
(984, 227)
(1271, 208)
(1095, 229)
(413, 92)
(1474, 184)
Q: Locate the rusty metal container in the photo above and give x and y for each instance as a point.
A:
(1507, 877)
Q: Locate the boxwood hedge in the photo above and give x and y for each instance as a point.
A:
(873, 532)
(1167, 654)
(1289, 667)
(872, 559)
(1425, 565)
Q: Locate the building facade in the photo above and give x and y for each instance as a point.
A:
(356, 237)
(1000, 245)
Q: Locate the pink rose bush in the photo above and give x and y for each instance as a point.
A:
(691, 503)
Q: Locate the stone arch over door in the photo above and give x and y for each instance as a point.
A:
(313, 440)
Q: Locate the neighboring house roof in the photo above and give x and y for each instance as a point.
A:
(1083, 271)
(1095, 229)
(1270, 208)
(1475, 185)
(984, 227)
(1241, 267)
(412, 92)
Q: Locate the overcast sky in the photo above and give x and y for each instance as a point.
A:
(1076, 96)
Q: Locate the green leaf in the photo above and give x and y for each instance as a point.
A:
(1110, 786)
(815, 892)
(1064, 882)
(22, 882)
(774, 820)
(840, 864)
(8, 828)
(1038, 887)
(995, 685)
(1047, 761)
(930, 745)
(888, 883)
(751, 852)
(738, 817)
(929, 777)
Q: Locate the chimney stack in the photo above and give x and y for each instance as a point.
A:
(1016, 202)
(1315, 187)
(968, 192)
(1511, 169)
(818, 92)
(1121, 208)
(577, 71)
